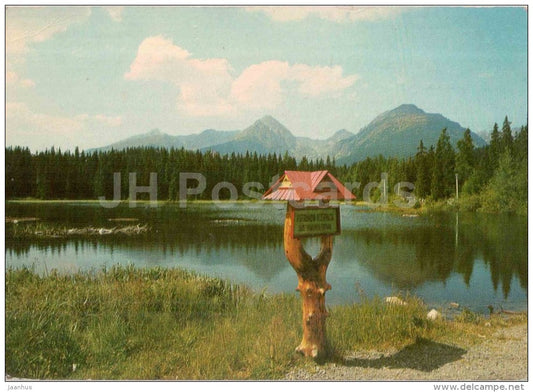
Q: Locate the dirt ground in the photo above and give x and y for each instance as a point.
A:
(502, 356)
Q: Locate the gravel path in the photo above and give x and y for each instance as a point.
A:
(502, 356)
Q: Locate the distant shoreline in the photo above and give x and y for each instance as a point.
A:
(443, 206)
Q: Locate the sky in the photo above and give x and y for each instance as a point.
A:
(90, 76)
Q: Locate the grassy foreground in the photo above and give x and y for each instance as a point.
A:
(127, 323)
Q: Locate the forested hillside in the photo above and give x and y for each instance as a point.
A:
(491, 178)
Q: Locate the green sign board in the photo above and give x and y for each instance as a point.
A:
(316, 221)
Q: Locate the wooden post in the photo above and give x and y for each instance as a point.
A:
(312, 286)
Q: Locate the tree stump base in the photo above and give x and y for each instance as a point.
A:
(312, 286)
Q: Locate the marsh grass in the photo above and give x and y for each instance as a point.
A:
(127, 323)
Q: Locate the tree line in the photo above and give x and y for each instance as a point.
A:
(491, 178)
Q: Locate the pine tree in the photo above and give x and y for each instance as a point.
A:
(506, 136)
(443, 177)
(520, 144)
(304, 164)
(465, 157)
(423, 171)
(494, 149)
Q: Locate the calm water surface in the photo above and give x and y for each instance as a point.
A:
(473, 259)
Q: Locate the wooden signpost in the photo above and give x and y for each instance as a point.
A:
(316, 221)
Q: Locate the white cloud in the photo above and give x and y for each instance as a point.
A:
(203, 84)
(11, 77)
(264, 85)
(159, 59)
(99, 119)
(111, 121)
(13, 80)
(316, 81)
(210, 88)
(259, 85)
(26, 25)
(46, 130)
(339, 14)
(22, 125)
(115, 12)
(27, 83)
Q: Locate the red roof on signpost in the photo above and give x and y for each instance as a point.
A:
(307, 185)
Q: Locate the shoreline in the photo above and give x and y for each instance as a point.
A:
(156, 323)
(426, 208)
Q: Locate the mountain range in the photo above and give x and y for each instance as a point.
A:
(396, 133)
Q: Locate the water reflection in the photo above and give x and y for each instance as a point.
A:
(384, 251)
(409, 257)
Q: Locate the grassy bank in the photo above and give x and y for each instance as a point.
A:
(485, 203)
(126, 323)
(468, 203)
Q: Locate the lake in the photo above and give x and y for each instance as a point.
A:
(473, 259)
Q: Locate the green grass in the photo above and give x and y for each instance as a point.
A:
(374, 324)
(126, 323)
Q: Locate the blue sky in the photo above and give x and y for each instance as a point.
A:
(89, 76)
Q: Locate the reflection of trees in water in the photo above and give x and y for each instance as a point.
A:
(179, 240)
(258, 247)
(502, 244)
(404, 256)
(409, 257)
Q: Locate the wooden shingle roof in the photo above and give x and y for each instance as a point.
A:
(308, 185)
